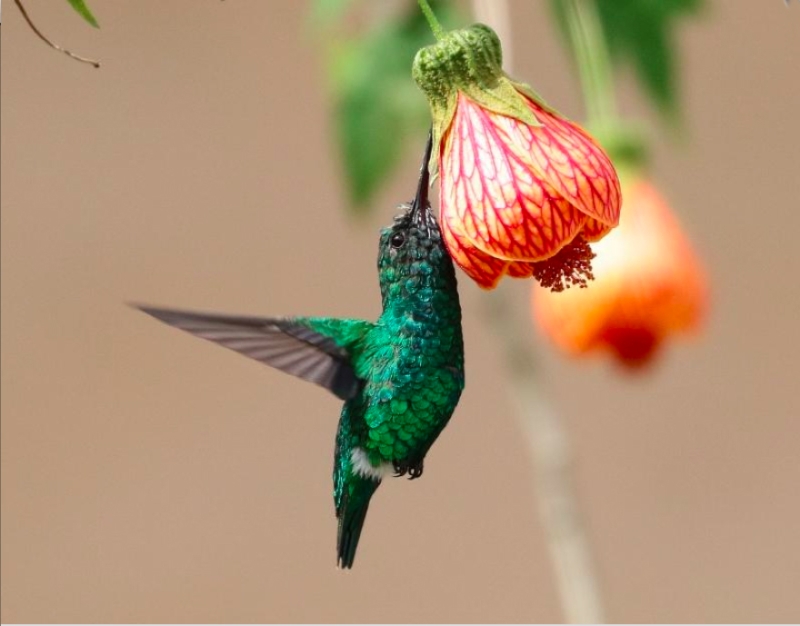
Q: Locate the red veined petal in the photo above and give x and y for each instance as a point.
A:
(520, 269)
(594, 230)
(479, 266)
(504, 208)
(564, 155)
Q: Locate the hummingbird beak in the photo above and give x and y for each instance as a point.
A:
(420, 206)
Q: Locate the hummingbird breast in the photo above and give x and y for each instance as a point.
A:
(412, 387)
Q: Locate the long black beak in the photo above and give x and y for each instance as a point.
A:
(419, 206)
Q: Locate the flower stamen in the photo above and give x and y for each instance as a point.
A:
(572, 265)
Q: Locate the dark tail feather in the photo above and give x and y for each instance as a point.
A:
(351, 519)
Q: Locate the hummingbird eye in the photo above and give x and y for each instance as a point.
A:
(398, 239)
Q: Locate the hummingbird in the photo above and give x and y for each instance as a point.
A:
(400, 377)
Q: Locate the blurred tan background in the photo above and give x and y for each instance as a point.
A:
(150, 476)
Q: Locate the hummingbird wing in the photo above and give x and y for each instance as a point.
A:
(288, 344)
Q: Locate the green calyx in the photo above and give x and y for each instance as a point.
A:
(469, 61)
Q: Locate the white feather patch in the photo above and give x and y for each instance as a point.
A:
(362, 466)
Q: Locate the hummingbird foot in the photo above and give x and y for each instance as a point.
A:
(402, 468)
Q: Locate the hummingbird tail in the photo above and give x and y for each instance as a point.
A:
(351, 518)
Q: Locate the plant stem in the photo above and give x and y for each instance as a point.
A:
(593, 60)
(50, 43)
(436, 27)
(548, 444)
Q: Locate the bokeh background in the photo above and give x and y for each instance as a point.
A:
(150, 476)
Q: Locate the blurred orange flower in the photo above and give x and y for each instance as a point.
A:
(648, 284)
(523, 190)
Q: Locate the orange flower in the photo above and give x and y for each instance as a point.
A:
(648, 284)
(522, 190)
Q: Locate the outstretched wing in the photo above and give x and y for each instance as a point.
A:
(288, 344)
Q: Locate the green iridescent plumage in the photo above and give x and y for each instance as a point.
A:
(401, 376)
(412, 365)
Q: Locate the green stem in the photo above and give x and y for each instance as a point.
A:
(593, 60)
(436, 27)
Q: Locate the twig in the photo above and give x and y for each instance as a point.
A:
(548, 444)
(436, 27)
(50, 43)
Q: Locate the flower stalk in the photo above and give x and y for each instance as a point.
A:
(436, 27)
(593, 61)
(548, 443)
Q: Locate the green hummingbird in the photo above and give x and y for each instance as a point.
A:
(400, 377)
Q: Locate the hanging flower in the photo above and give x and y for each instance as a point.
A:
(648, 285)
(523, 191)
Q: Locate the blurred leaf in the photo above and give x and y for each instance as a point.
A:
(84, 12)
(378, 107)
(325, 12)
(642, 32)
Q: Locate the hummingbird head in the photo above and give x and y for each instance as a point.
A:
(412, 259)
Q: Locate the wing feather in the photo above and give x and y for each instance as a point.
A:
(284, 343)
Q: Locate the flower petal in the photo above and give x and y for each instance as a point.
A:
(575, 319)
(520, 269)
(506, 210)
(594, 230)
(648, 285)
(563, 154)
(479, 266)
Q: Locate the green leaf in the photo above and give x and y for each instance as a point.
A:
(378, 108)
(643, 33)
(84, 12)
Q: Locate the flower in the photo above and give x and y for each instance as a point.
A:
(523, 191)
(648, 285)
